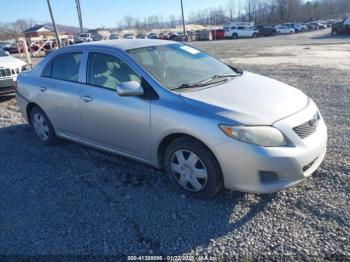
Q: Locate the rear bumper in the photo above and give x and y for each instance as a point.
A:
(22, 104)
(245, 165)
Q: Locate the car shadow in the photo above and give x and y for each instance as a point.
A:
(330, 36)
(69, 199)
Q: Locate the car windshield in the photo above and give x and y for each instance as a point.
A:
(2, 53)
(176, 65)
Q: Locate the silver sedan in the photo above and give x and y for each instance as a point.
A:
(207, 124)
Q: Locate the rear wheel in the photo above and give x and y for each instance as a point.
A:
(234, 36)
(43, 127)
(193, 168)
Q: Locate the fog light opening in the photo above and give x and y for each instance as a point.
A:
(268, 176)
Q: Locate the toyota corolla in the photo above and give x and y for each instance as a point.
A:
(207, 124)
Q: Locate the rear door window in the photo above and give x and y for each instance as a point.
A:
(66, 66)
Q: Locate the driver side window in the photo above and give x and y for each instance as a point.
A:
(108, 71)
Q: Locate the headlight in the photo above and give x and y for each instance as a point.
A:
(25, 68)
(259, 135)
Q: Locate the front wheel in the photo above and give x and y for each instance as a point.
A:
(193, 168)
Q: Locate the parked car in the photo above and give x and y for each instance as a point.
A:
(315, 25)
(218, 34)
(114, 36)
(342, 27)
(4, 45)
(177, 36)
(83, 38)
(297, 27)
(164, 36)
(14, 48)
(10, 67)
(235, 32)
(129, 36)
(153, 36)
(282, 29)
(266, 30)
(207, 124)
(141, 36)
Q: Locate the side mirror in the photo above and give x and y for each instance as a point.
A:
(131, 88)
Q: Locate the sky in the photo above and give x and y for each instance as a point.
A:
(97, 13)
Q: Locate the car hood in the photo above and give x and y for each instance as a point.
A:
(10, 62)
(250, 99)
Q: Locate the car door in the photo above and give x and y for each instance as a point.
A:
(59, 90)
(109, 120)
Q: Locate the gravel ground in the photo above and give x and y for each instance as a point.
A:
(73, 200)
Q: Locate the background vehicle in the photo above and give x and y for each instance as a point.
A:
(129, 36)
(218, 34)
(10, 67)
(235, 32)
(141, 36)
(266, 30)
(297, 27)
(164, 36)
(342, 27)
(282, 29)
(114, 36)
(153, 36)
(14, 48)
(4, 45)
(82, 38)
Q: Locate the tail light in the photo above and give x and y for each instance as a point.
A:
(15, 85)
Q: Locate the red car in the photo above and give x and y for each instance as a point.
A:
(218, 34)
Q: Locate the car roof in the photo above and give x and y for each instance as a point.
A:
(125, 44)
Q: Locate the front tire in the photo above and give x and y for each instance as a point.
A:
(43, 127)
(193, 169)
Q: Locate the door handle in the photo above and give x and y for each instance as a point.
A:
(42, 88)
(87, 98)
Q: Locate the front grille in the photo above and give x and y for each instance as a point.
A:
(308, 128)
(4, 72)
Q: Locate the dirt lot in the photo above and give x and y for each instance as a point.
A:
(70, 199)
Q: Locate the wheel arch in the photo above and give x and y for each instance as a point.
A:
(167, 140)
(29, 109)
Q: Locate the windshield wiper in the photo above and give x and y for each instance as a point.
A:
(207, 81)
(218, 76)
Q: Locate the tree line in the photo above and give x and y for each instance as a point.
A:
(259, 11)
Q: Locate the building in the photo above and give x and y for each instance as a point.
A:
(42, 31)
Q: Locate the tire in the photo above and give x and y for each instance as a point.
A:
(234, 36)
(255, 35)
(192, 168)
(43, 127)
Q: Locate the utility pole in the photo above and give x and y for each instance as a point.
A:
(77, 2)
(183, 19)
(54, 25)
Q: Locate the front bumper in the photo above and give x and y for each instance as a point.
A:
(244, 164)
(7, 86)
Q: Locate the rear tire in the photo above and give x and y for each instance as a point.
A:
(43, 127)
(234, 36)
(192, 168)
